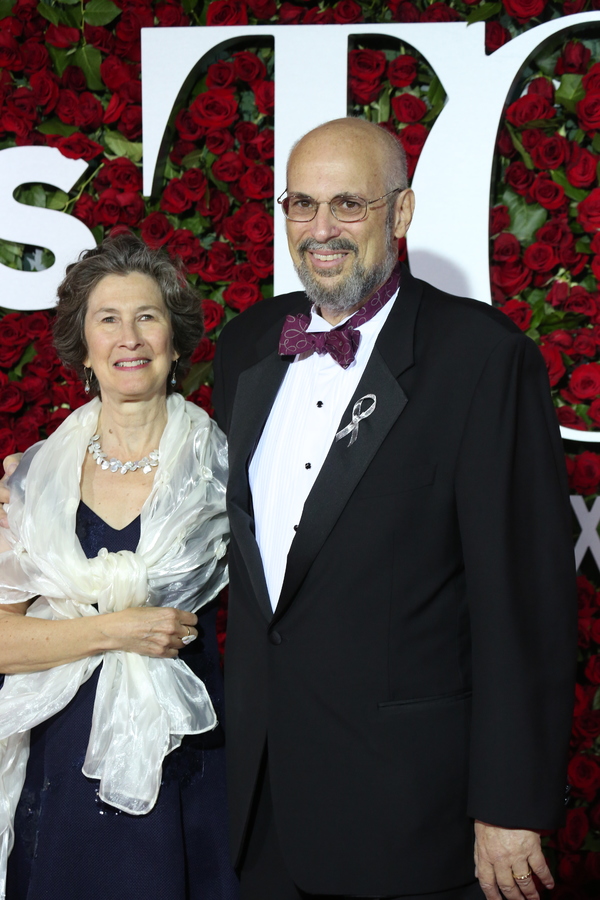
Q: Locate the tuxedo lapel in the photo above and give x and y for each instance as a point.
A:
(345, 465)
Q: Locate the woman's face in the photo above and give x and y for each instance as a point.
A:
(129, 337)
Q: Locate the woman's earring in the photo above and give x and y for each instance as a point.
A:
(173, 378)
(87, 385)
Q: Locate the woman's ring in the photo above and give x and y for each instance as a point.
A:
(522, 877)
(189, 637)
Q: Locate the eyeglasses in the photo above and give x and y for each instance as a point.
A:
(345, 207)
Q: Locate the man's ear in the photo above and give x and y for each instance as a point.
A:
(405, 207)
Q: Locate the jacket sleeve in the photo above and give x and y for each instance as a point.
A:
(515, 525)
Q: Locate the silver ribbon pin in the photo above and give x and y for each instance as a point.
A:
(358, 414)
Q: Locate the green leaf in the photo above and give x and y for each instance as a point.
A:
(100, 12)
(517, 144)
(547, 64)
(383, 105)
(436, 93)
(191, 160)
(596, 142)
(72, 17)
(59, 57)
(88, 59)
(197, 376)
(49, 12)
(120, 146)
(28, 354)
(11, 254)
(570, 91)
(70, 2)
(55, 126)
(573, 193)
(583, 246)
(98, 232)
(525, 218)
(57, 200)
(483, 12)
(32, 196)
(189, 5)
(6, 7)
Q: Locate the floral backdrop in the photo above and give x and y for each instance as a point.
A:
(70, 78)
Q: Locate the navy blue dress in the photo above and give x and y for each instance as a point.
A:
(71, 846)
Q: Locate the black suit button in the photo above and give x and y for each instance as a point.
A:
(275, 637)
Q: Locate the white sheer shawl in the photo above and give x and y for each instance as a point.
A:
(143, 706)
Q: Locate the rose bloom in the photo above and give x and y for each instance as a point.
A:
(367, 64)
(220, 75)
(584, 344)
(216, 108)
(581, 302)
(575, 830)
(85, 210)
(263, 9)
(554, 363)
(260, 257)
(61, 36)
(581, 167)
(259, 227)
(402, 71)
(45, 89)
(35, 57)
(195, 183)
(215, 205)
(176, 198)
(156, 230)
(546, 192)
(574, 59)
(290, 14)
(439, 12)
(227, 12)
(520, 313)
(511, 277)
(506, 248)
(499, 218)
(583, 774)
(413, 138)
(585, 477)
(228, 167)
(240, 295)
(8, 442)
(592, 669)
(114, 72)
(257, 182)
(408, 108)
(78, 146)
(123, 174)
(202, 398)
(550, 152)
(219, 262)
(11, 397)
(170, 14)
(569, 418)
(543, 86)
(184, 244)
(588, 211)
(248, 67)
(588, 111)
(585, 381)
(519, 177)
(346, 12)
(130, 123)
(219, 141)
(99, 37)
(540, 257)
(213, 313)
(529, 108)
(204, 351)
(524, 10)
(495, 36)
(591, 81)
(264, 97)
(363, 91)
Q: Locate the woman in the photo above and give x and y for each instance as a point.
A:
(117, 534)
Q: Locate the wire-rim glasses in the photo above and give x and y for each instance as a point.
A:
(345, 207)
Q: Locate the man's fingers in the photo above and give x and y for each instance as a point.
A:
(484, 871)
(539, 865)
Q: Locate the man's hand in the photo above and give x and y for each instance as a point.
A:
(503, 856)
(10, 464)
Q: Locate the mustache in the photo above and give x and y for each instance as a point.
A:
(333, 244)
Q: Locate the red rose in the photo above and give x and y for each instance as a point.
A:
(569, 257)
(176, 198)
(403, 11)
(180, 151)
(548, 193)
(511, 277)
(529, 108)
(550, 152)
(204, 351)
(495, 36)
(585, 477)
(584, 775)
(249, 67)
(289, 14)
(257, 182)
(108, 209)
(187, 126)
(8, 443)
(524, 10)
(130, 123)
(67, 107)
(113, 111)
(366, 64)
(569, 418)
(594, 412)
(184, 244)
(572, 836)
(263, 9)
(78, 146)
(220, 75)
(194, 181)
(402, 71)
(10, 53)
(114, 72)
(258, 228)
(228, 167)
(35, 57)
(73, 79)
(316, 16)
(130, 22)
(202, 397)
(131, 91)
(27, 433)
(213, 313)
(156, 230)
(588, 211)
(132, 207)
(591, 81)
(587, 725)
(519, 177)
(85, 210)
(558, 293)
(99, 37)
(264, 96)
(439, 12)
(227, 12)
(588, 111)
(219, 262)
(408, 108)
(581, 302)
(540, 257)
(37, 325)
(581, 167)
(240, 296)
(260, 257)
(123, 174)
(215, 205)
(584, 344)
(364, 92)
(413, 138)
(499, 219)
(216, 108)
(45, 90)
(170, 14)
(585, 381)
(13, 338)
(554, 363)
(347, 11)
(506, 248)
(61, 36)
(11, 397)
(219, 141)
(574, 59)
(520, 313)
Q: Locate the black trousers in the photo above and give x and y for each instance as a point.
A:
(264, 875)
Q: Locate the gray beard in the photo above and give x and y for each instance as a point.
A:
(355, 289)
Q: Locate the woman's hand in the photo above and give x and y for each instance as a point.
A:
(157, 631)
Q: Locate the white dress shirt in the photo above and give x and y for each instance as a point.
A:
(298, 434)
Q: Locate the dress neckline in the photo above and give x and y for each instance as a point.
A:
(104, 522)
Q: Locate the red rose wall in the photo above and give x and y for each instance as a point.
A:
(70, 78)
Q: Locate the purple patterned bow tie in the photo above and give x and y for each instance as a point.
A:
(342, 342)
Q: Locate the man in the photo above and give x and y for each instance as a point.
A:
(400, 653)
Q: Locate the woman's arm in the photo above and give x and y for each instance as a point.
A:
(29, 644)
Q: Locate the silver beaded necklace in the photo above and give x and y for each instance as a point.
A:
(115, 465)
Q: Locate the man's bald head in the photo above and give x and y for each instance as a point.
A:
(377, 144)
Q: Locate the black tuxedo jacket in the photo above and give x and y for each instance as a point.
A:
(418, 670)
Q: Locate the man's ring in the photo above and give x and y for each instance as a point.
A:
(522, 877)
(189, 637)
